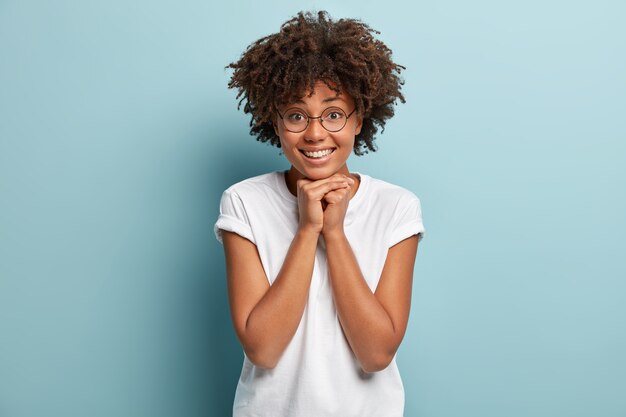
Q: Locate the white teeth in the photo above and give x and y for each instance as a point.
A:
(318, 154)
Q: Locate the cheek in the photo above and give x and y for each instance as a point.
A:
(287, 142)
(288, 147)
(348, 142)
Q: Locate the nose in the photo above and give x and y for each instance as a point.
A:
(314, 132)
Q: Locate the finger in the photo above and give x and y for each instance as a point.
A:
(317, 193)
(302, 182)
(334, 197)
(331, 198)
(334, 177)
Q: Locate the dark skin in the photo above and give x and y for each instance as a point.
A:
(266, 317)
(313, 47)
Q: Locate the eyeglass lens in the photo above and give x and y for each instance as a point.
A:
(296, 120)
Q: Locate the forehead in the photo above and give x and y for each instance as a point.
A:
(322, 94)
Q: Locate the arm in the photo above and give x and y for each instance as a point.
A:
(374, 323)
(266, 317)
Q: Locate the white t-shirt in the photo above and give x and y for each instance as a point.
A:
(318, 374)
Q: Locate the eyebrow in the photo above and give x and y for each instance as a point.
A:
(326, 100)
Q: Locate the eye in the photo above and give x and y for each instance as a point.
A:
(295, 116)
(334, 114)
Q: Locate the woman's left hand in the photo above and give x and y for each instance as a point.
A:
(336, 203)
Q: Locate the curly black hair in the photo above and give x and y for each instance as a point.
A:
(280, 68)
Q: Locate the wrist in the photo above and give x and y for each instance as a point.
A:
(308, 232)
(333, 234)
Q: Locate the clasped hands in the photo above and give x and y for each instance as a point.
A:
(322, 204)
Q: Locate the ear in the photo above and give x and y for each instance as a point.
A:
(358, 127)
(274, 120)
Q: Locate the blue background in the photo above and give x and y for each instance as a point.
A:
(118, 135)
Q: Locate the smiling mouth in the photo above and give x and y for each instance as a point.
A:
(317, 154)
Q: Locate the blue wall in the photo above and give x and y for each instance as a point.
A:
(118, 135)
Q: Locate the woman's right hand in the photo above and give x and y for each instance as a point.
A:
(310, 200)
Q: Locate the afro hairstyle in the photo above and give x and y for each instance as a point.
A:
(280, 68)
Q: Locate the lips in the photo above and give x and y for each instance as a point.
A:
(317, 154)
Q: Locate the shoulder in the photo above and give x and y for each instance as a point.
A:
(255, 187)
(263, 180)
(387, 193)
(240, 202)
(399, 206)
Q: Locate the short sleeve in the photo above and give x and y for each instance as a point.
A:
(408, 222)
(233, 217)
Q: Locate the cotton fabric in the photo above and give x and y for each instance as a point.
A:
(318, 374)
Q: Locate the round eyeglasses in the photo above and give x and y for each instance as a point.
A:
(332, 119)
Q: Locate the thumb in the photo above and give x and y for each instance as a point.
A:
(303, 181)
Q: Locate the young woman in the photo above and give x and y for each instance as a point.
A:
(319, 259)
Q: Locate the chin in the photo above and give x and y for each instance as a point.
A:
(318, 174)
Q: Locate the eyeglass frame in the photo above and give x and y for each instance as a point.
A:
(308, 119)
